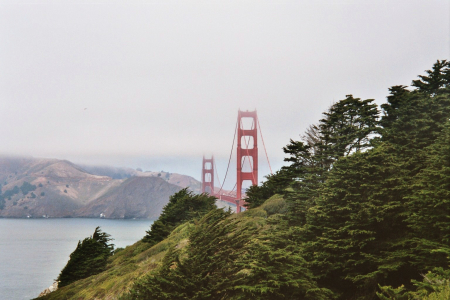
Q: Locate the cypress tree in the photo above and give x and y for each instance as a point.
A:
(182, 207)
(89, 258)
(429, 205)
(437, 81)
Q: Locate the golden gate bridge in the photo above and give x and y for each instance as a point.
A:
(247, 156)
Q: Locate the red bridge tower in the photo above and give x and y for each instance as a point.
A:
(247, 149)
(247, 155)
(208, 175)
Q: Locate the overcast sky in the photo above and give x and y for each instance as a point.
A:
(157, 84)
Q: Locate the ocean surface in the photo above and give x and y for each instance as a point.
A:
(33, 251)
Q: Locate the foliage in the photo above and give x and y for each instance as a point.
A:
(275, 184)
(437, 81)
(183, 206)
(227, 259)
(362, 210)
(434, 285)
(27, 187)
(429, 203)
(7, 195)
(12, 192)
(347, 127)
(89, 258)
(370, 202)
(122, 269)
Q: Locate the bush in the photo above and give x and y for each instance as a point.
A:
(27, 187)
(183, 206)
(89, 258)
(12, 192)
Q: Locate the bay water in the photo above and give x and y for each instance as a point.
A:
(34, 251)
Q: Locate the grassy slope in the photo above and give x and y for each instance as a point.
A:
(122, 269)
(136, 260)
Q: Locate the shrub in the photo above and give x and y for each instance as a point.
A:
(183, 206)
(89, 258)
(27, 187)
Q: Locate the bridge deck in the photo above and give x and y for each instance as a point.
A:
(230, 199)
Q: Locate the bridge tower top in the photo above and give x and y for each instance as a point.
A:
(208, 175)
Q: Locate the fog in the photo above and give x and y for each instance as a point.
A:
(157, 84)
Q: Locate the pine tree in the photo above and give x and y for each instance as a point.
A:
(273, 267)
(89, 258)
(229, 258)
(429, 205)
(347, 127)
(274, 184)
(357, 234)
(183, 206)
(437, 81)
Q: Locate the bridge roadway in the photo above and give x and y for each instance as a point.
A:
(230, 199)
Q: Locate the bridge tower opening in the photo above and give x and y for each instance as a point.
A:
(247, 152)
(208, 175)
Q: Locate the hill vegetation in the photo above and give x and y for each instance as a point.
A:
(361, 212)
(183, 206)
(89, 258)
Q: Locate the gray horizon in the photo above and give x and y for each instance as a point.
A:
(157, 85)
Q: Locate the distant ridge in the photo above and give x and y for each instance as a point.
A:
(136, 197)
(40, 187)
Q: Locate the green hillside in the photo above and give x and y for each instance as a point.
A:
(123, 268)
(361, 212)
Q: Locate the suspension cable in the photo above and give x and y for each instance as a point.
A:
(217, 174)
(260, 133)
(229, 194)
(229, 160)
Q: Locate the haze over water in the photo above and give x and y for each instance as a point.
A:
(33, 251)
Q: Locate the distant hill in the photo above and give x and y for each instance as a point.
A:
(176, 179)
(113, 172)
(136, 197)
(40, 187)
(123, 173)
